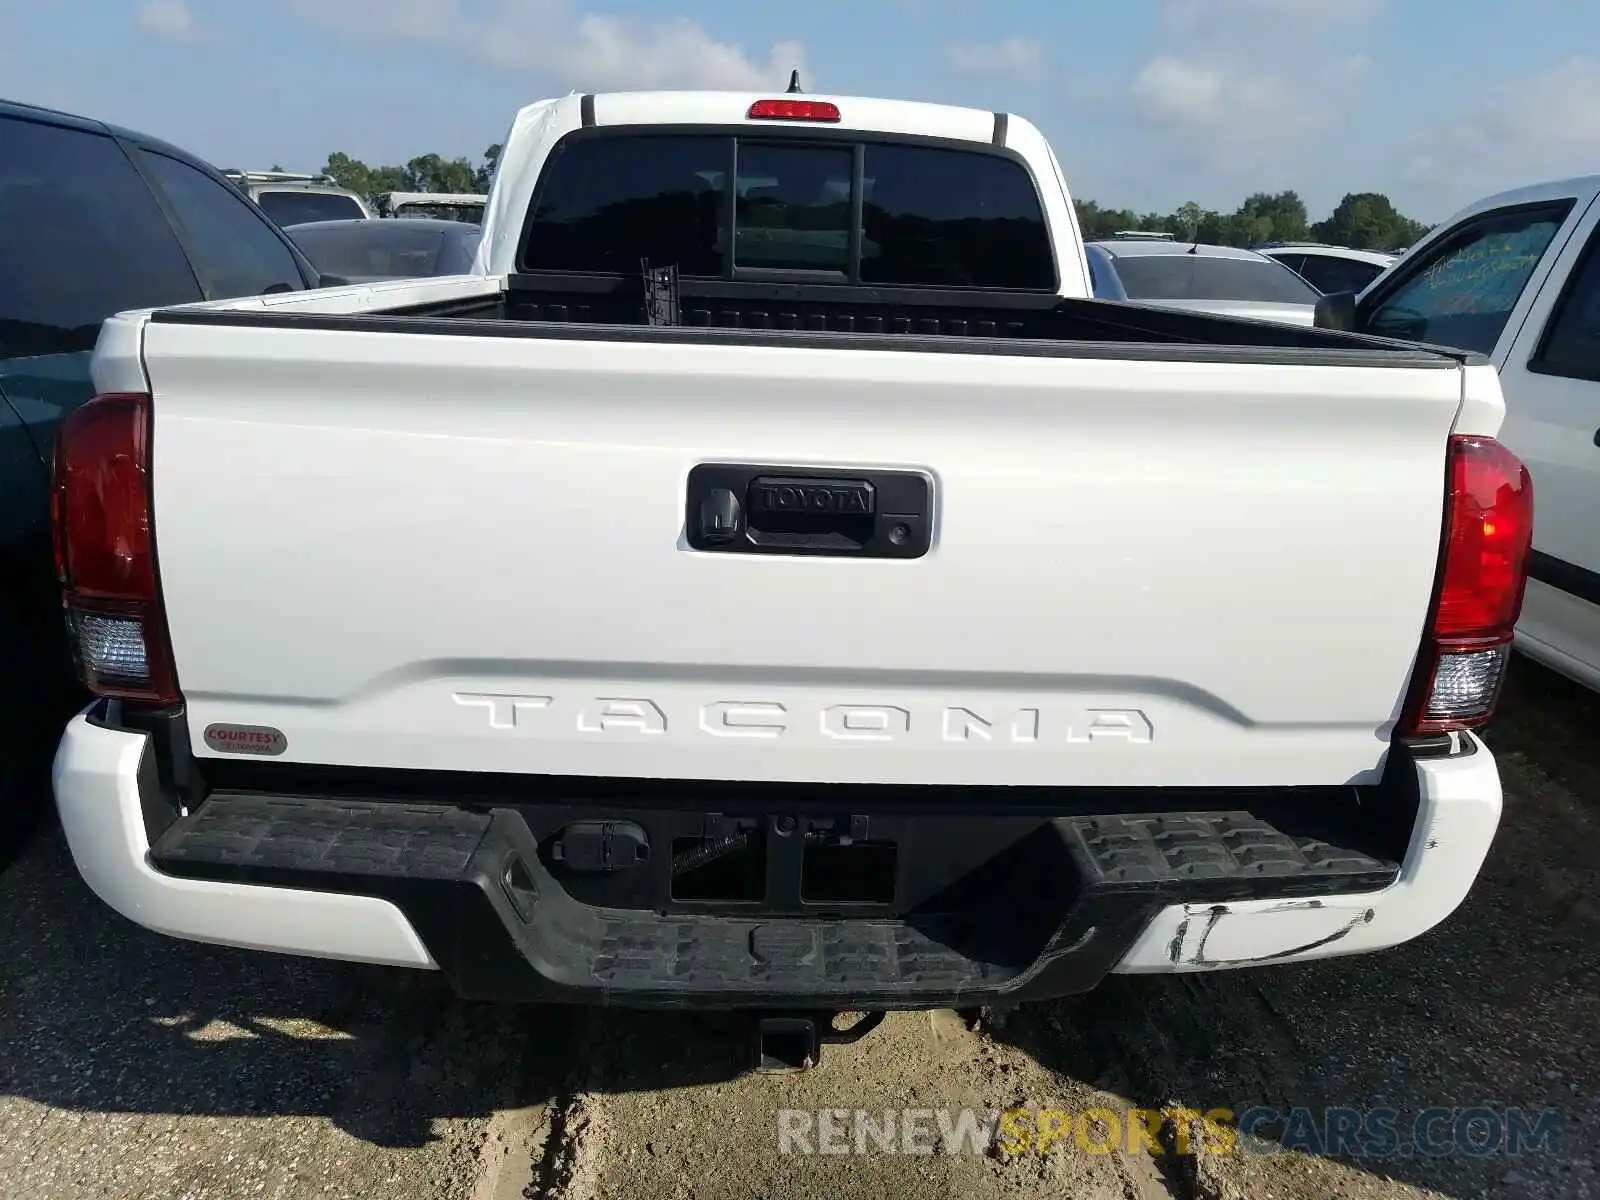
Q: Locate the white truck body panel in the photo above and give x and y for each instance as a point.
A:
(433, 521)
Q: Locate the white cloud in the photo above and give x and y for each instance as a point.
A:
(1013, 58)
(1224, 100)
(1190, 16)
(1226, 103)
(169, 19)
(571, 49)
(1523, 131)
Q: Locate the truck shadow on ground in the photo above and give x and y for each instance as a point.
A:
(100, 1015)
(1498, 1007)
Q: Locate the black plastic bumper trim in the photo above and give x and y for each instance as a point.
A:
(501, 927)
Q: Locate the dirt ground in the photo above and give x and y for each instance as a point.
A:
(136, 1066)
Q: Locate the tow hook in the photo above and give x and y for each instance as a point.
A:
(785, 1042)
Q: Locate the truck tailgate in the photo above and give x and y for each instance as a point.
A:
(413, 550)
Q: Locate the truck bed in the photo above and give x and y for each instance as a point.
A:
(723, 311)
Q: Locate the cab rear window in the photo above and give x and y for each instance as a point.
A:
(297, 207)
(726, 206)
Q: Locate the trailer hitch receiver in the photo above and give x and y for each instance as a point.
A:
(793, 1041)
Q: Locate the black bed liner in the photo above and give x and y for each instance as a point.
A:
(836, 316)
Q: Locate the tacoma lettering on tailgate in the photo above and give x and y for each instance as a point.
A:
(640, 716)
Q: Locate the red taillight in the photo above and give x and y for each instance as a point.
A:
(1483, 571)
(105, 554)
(1489, 533)
(793, 110)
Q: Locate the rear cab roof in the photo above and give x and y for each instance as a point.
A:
(539, 126)
(862, 113)
(51, 116)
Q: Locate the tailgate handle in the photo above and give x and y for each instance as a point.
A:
(788, 510)
(762, 510)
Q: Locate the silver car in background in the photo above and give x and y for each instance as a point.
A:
(291, 199)
(371, 251)
(1214, 279)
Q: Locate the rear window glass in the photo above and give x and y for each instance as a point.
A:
(793, 207)
(371, 249)
(930, 216)
(607, 202)
(1330, 275)
(440, 211)
(952, 218)
(1462, 293)
(1572, 344)
(1200, 277)
(294, 207)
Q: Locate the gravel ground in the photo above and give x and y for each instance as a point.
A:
(136, 1066)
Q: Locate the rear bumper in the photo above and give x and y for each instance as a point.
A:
(466, 890)
(103, 779)
(1458, 811)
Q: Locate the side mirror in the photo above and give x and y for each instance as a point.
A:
(326, 280)
(1336, 311)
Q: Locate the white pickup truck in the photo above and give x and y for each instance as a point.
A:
(774, 585)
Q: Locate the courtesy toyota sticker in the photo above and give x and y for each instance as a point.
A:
(246, 739)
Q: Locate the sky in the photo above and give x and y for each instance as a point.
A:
(1149, 103)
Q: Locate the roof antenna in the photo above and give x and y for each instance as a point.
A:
(794, 83)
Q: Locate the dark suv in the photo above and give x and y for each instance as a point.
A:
(93, 220)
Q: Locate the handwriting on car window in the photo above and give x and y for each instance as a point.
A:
(1488, 275)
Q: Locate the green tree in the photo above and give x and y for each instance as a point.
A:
(388, 179)
(1214, 228)
(431, 173)
(485, 173)
(425, 173)
(1274, 217)
(1367, 221)
(1186, 221)
(1097, 222)
(349, 173)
